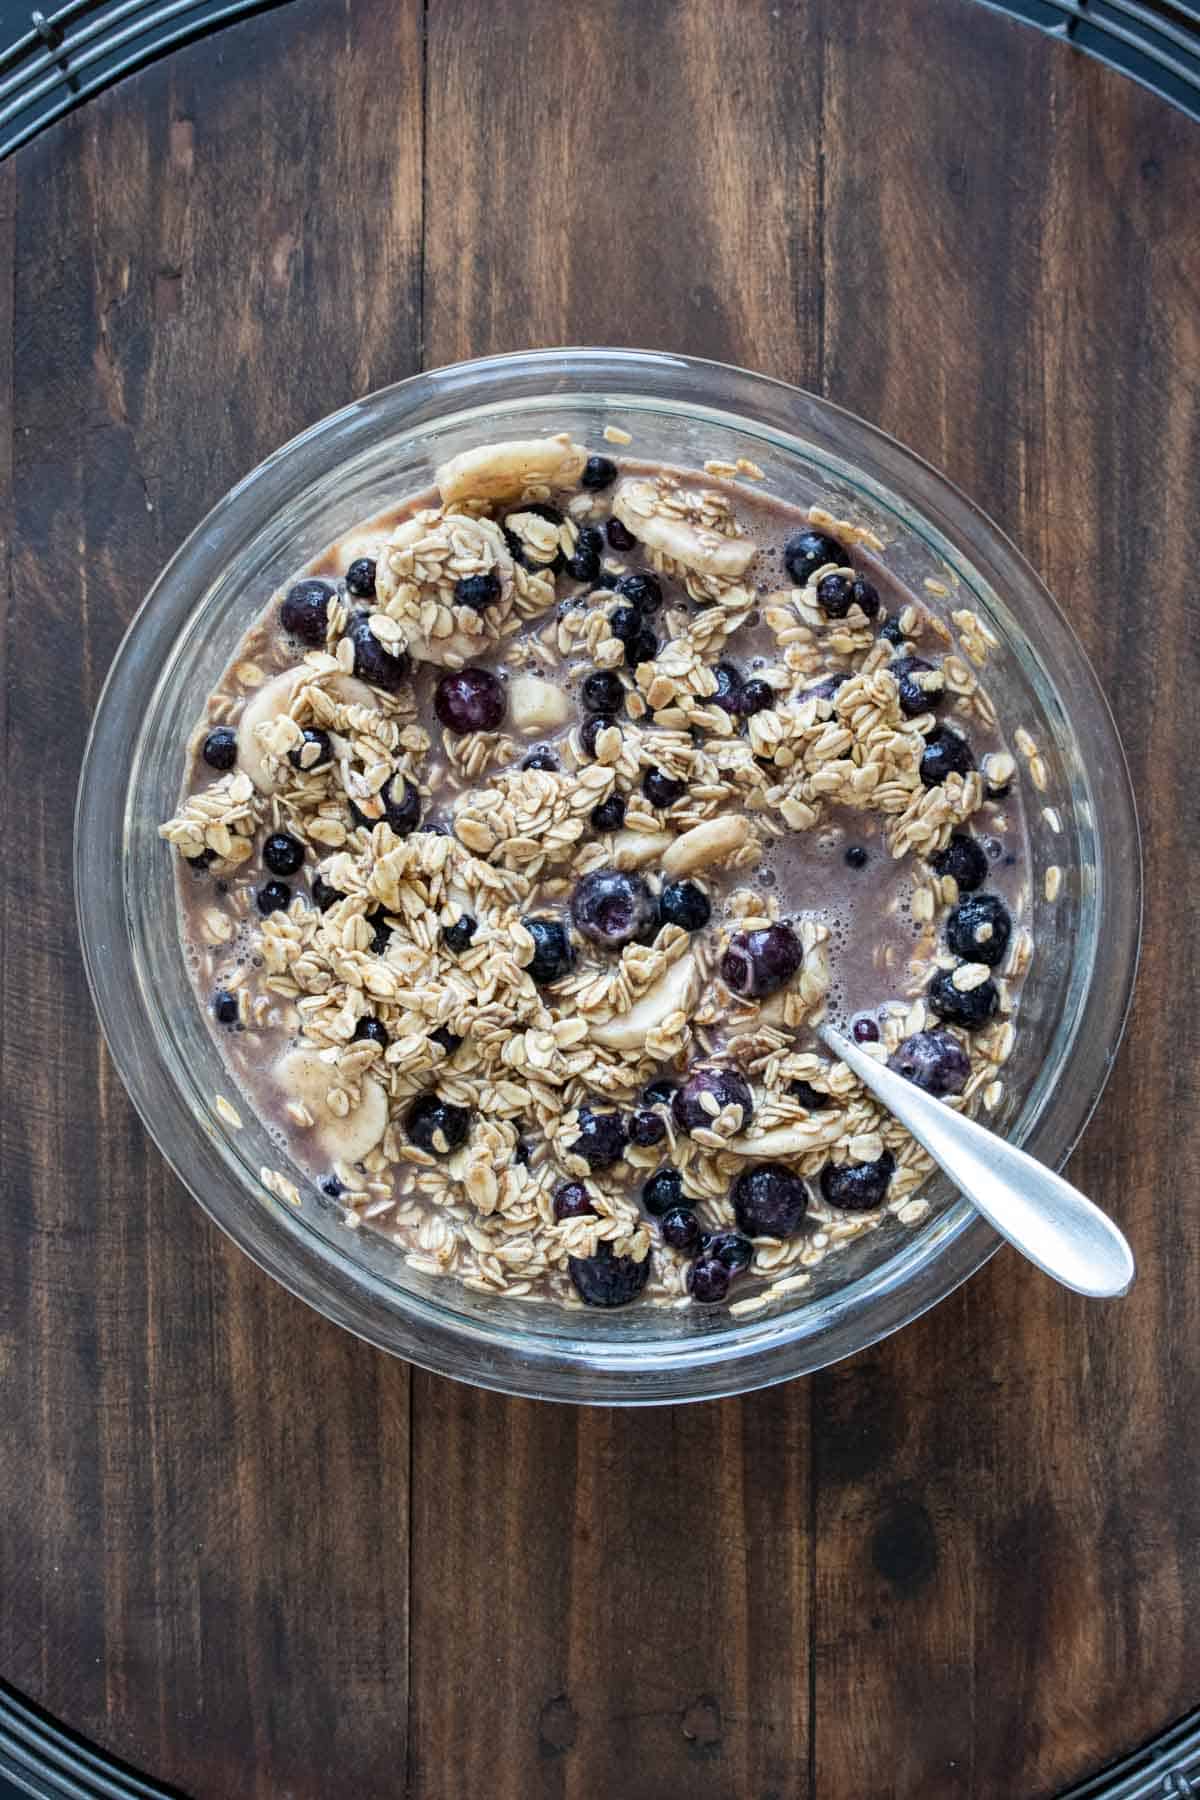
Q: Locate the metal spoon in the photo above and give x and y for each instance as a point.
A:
(1047, 1219)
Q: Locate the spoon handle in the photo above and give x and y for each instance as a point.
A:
(1047, 1219)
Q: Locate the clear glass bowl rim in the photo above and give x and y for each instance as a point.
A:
(742, 1355)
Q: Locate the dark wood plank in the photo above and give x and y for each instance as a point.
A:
(203, 1497)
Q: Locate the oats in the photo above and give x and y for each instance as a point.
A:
(1053, 882)
(615, 434)
(225, 1111)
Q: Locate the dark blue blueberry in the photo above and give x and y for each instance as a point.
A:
(324, 896)
(857, 1187)
(220, 748)
(607, 581)
(457, 937)
(681, 1229)
(610, 814)
(725, 1086)
(610, 907)
(807, 551)
(890, 632)
(469, 700)
(370, 1031)
(431, 1123)
(946, 753)
(769, 1200)
(732, 1249)
(965, 859)
(445, 1039)
(360, 578)
(602, 1138)
(381, 932)
(729, 687)
(598, 472)
(372, 663)
(826, 688)
(641, 648)
(516, 548)
(541, 509)
(331, 1187)
(619, 536)
(225, 1007)
(809, 1097)
(552, 951)
(836, 594)
(914, 699)
(602, 691)
(856, 857)
(572, 1201)
(641, 589)
(864, 1030)
(625, 622)
(933, 1061)
(584, 563)
(684, 904)
(647, 1129)
(708, 1281)
(661, 789)
(273, 897)
(591, 728)
(478, 591)
(305, 610)
(756, 696)
(401, 809)
(969, 1010)
(302, 757)
(521, 1155)
(758, 963)
(282, 853)
(608, 1280)
(543, 757)
(663, 1191)
(979, 928)
(658, 1093)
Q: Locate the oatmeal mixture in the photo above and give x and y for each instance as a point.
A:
(531, 831)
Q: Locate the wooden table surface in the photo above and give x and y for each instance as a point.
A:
(257, 1558)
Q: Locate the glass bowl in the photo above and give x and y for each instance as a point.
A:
(352, 465)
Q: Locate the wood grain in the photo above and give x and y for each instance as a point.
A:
(233, 1546)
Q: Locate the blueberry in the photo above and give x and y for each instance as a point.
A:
(552, 951)
(572, 1201)
(826, 688)
(723, 1086)
(732, 1249)
(958, 1008)
(457, 937)
(305, 757)
(220, 748)
(401, 809)
(658, 1093)
(324, 896)
(225, 1007)
(756, 696)
(807, 551)
(809, 1097)
(647, 1129)
(618, 536)
(516, 548)
(602, 691)
(661, 789)
(360, 578)
(769, 1201)
(478, 591)
(584, 563)
(469, 700)
(431, 1123)
(890, 632)
(370, 1031)
(914, 699)
(757, 963)
(372, 663)
(273, 897)
(541, 509)
(283, 853)
(663, 1191)
(305, 611)
(445, 1039)
(610, 814)
(979, 929)
(591, 728)
(857, 1187)
(331, 1187)
(542, 758)
(641, 648)
(729, 687)
(946, 753)
(834, 595)
(610, 907)
(602, 1138)
(203, 861)
(965, 859)
(933, 1061)
(856, 857)
(708, 1281)
(864, 1030)
(684, 904)
(608, 1280)
(866, 596)
(598, 472)
(606, 581)
(381, 931)
(625, 622)
(521, 1154)
(642, 590)
(681, 1229)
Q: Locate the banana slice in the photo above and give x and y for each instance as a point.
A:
(713, 841)
(677, 991)
(273, 701)
(504, 471)
(536, 705)
(637, 849)
(303, 1075)
(703, 551)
